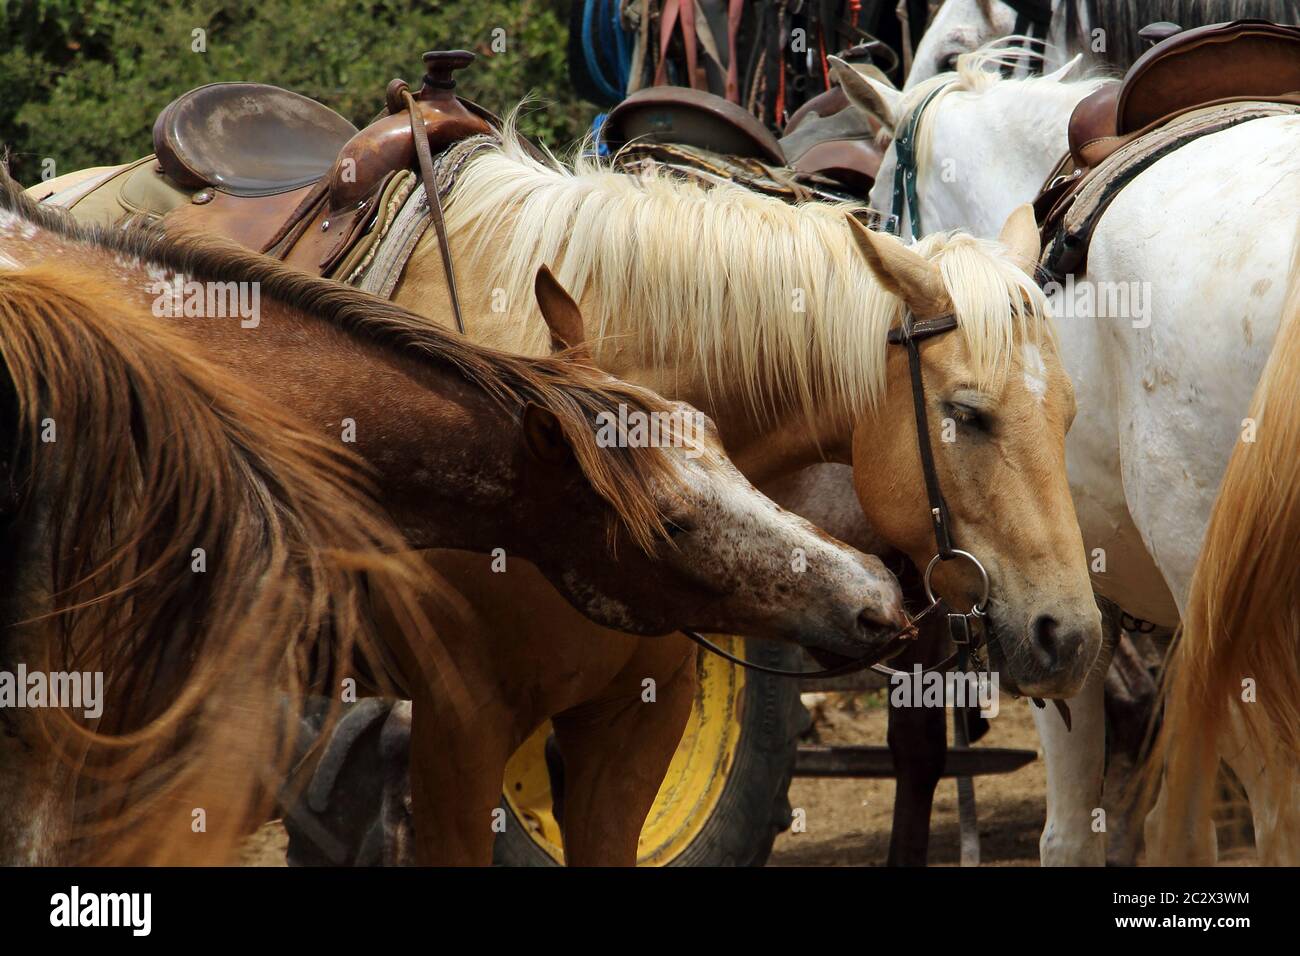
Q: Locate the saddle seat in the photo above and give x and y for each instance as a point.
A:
(1245, 60)
(827, 136)
(676, 115)
(247, 139)
(830, 141)
(1189, 84)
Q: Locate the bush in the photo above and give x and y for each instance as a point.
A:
(82, 80)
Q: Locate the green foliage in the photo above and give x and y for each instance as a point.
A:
(82, 80)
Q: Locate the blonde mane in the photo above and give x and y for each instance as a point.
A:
(978, 72)
(744, 287)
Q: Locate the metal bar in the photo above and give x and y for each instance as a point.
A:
(814, 760)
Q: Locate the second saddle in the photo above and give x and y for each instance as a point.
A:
(1160, 103)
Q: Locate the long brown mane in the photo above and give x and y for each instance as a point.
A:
(155, 456)
(575, 394)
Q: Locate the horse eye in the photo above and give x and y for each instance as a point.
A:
(676, 528)
(970, 417)
(949, 63)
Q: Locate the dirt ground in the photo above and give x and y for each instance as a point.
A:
(848, 821)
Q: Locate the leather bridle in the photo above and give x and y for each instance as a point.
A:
(965, 629)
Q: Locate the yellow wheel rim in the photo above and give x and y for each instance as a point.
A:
(691, 789)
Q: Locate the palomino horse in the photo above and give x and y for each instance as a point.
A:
(1102, 30)
(764, 315)
(329, 353)
(1161, 411)
(174, 533)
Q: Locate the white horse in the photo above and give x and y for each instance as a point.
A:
(1106, 30)
(1202, 240)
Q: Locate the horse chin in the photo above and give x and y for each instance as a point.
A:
(1016, 679)
(875, 653)
(828, 659)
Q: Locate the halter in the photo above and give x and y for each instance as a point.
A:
(905, 169)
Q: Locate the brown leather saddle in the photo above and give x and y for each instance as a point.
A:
(1246, 60)
(828, 137)
(289, 177)
(823, 138)
(1188, 71)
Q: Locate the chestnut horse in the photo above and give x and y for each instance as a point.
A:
(173, 532)
(479, 450)
(765, 316)
(697, 546)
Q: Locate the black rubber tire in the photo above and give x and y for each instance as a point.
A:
(754, 806)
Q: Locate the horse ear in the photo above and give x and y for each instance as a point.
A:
(904, 273)
(561, 313)
(1061, 72)
(544, 435)
(1020, 235)
(870, 92)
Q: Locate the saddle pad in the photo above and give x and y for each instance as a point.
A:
(384, 263)
(390, 203)
(1067, 250)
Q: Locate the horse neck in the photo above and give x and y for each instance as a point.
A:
(767, 432)
(406, 417)
(1021, 136)
(404, 414)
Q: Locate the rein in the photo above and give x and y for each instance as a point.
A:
(424, 156)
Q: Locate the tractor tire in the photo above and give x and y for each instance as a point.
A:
(724, 799)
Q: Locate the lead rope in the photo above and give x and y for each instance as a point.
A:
(425, 159)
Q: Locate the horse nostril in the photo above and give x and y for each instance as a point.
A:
(1047, 635)
(881, 615)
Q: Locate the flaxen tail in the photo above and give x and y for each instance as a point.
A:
(1236, 664)
(204, 552)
